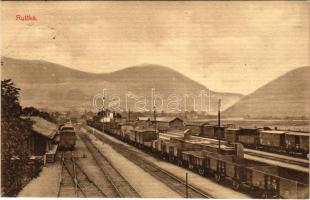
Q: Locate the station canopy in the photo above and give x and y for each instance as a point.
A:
(44, 127)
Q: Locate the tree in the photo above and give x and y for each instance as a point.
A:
(14, 133)
(10, 107)
(31, 111)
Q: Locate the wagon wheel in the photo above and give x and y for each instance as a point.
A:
(217, 177)
(236, 185)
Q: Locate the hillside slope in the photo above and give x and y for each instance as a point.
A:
(49, 85)
(286, 96)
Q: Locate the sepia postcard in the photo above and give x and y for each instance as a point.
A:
(155, 99)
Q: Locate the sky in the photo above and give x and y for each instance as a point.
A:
(227, 46)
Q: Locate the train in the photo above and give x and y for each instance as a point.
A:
(284, 142)
(265, 139)
(225, 163)
(67, 137)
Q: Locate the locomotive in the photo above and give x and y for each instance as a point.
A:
(67, 137)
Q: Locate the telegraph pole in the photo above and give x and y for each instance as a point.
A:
(103, 99)
(219, 123)
(103, 107)
(155, 123)
(186, 184)
(154, 109)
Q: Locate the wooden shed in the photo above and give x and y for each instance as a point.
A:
(168, 123)
(42, 139)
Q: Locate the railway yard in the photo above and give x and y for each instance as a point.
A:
(101, 165)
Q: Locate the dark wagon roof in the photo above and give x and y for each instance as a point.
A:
(159, 119)
(44, 127)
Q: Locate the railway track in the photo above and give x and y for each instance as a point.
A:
(119, 184)
(175, 183)
(74, 182)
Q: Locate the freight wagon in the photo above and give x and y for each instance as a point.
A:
(231, 134)
(265, 180)
(246, 136)
(249, 137)
(211, 131)
(203, 156)
(286, 142)
(207, 131)
(272, 139)
(297, 142)
(142, 138)
(195, 127)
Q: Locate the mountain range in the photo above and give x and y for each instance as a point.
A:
(56, 87)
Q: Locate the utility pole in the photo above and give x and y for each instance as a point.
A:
(103, 108)
(154, 109)
(128, 115)
(186, 184)
(103, 99)
(219, 123)
(155, 118)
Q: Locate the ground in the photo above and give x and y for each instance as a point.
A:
(145, 184)
(46, 184)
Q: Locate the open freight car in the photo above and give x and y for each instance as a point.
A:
(203, 156)
(262, 179)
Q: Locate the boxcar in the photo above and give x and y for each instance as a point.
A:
(132, 136)
(125, 131)
(297, 142)
(231, 134)
(207, 131)
(212, 163)
(197, 161)
(186, 158)
(248, 137)
(159, 146)
(170, 150)
(272, 139)
(144, 137)
(263, 179)
(272, 183)
(219, 132)
(195, 127)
